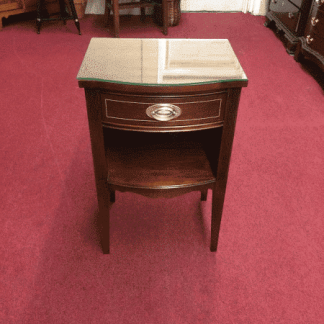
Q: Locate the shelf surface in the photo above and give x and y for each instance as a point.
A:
(162, 165)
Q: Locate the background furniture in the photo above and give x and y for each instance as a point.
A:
(311, 45)
(15, 7)
(174, 13)
(161, 116)
(289, 18)
(65, 14)
(114, 6)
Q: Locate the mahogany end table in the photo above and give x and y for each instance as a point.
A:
(162, 116)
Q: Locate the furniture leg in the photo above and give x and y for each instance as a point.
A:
(112, 196)
(116, 17)
(165, 14)
(203, 196)
(104, 216)
(75, 16)
(38, 19)
(63, 11)
(217, 210)
(143, 16)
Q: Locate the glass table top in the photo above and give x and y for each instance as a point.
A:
(160, 61)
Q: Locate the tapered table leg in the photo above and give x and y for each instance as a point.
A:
(104, 196)
(203, 196)
(217, 210)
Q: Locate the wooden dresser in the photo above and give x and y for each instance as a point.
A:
(311, 45)
(288, 17)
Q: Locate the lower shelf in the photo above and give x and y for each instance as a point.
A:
(160, 161)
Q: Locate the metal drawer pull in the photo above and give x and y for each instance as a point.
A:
(163, 112)
(309, 39)
(319, 1)
(314, 21)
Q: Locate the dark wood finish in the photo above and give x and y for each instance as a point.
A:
(129, 112)
(160, 139)
(174, 13)
(288, 17)
(114, 7)
(162, 164)
(311, 45)
(64, 14)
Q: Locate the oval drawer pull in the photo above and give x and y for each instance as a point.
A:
(309, 39)
(314, 21)
(163, 112)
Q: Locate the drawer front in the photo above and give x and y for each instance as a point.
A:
(288, 13)
(315, 22)
(316, 43)
(158, 114)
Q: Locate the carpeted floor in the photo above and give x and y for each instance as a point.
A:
(269, 266)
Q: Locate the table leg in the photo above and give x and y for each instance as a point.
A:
(104, 216)
(116, 17)
(203, 196)
(217, 211)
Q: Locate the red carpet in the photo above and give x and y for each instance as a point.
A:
(269, 265)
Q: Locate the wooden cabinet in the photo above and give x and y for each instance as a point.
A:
(288, 17)
(162, 118)
(11, 7)
(311, 44)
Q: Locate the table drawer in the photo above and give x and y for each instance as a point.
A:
(158, 114)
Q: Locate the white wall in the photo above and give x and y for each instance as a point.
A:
(256, 7)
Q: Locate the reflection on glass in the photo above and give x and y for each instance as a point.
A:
(160, 61)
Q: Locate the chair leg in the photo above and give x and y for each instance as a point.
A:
(143, 16)
(203, 196)
(75, 16)
(39, 14)
(63, 11)
(165, 15)
(116, 17)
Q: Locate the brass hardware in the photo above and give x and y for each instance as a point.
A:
(319, 2)
(309, 39)
(163, 112)
(314, 21)
(290, 15)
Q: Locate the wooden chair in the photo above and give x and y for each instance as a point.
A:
(64, 14)
(115, 6)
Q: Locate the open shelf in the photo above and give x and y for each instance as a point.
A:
(158, 161)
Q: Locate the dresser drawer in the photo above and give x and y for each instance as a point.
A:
(315, 22)
(158, 114)
(287, 13)
(315, 43)
(320, 4)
